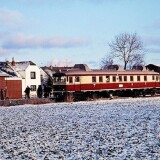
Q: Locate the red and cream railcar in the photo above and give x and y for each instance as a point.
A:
(84, 84)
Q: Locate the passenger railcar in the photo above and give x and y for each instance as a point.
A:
(81, 84)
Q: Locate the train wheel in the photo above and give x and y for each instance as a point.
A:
(110, 96)
(95, 96)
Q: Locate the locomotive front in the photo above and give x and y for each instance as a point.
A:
(59, 85)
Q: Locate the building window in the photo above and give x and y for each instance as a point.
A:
(77, 79)
(131, 78)
(114, 78)
(33, 75)
(107, 79)
(125, 78)
(138, 78)
(93, 79)
(100, 79)
(145, 78)
(33, 88)
(70, 80)
(120, 78)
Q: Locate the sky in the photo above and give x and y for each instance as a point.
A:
(67, 32)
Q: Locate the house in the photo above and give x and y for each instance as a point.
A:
(25, 71)
(30, 74)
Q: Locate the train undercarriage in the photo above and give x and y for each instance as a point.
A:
(63, 96)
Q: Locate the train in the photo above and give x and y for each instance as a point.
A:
(82, 83)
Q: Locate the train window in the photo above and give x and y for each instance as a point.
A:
(70, 79)
(156, 78)
(120, 78)
(145, 78)
(153, 78)
(94, 79)
(100, 79)
(64, 79)
(107, 79)
(125, 78)
(138, 78)
(114, 78)
(77, 79)
(57, 79)
(131, 78)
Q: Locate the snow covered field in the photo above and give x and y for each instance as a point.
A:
(111, 130)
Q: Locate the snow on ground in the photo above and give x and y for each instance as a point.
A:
(113, 130)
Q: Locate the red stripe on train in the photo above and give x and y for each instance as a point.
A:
(111, 86)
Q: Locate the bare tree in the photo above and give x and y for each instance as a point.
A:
(106, 61)
(138, 59)
(126, 47)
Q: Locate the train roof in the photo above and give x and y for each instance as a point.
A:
(103, 72)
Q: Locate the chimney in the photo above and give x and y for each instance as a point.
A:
(51, 67)
(7, 61)
(13, 62)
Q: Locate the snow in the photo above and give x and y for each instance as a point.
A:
(21, 66)
(112, 130)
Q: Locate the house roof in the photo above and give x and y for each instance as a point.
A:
(6, 68)
(16, 69)
(3, 74)
(54, 68)
(21, 66)
(48, 71)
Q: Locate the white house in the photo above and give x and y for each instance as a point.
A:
(30, 74)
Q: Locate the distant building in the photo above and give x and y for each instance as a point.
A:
(153, 67)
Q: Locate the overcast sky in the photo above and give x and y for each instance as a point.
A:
(65, 32)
